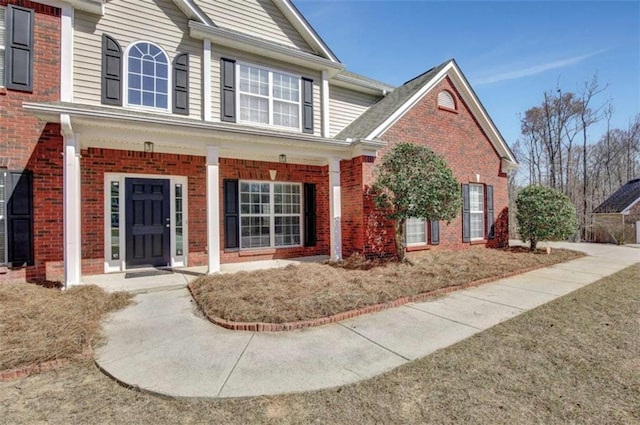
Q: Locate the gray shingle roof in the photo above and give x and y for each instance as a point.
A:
(621, 199)
(379, 112)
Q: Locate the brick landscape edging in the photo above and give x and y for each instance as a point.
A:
(24, 371)
(289, 326)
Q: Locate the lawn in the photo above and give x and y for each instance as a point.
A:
(311, 291)
(573, 360)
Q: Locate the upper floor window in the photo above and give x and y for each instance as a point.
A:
(445, 100)
(268, 97)
(3, 29)
(147, 76)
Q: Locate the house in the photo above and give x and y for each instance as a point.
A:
(147, 133)
(617, 219)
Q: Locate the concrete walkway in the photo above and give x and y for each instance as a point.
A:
(162, 345)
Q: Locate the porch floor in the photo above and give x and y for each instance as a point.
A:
(151, 280)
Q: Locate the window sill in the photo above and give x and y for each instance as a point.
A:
(3, 91)
(478, 242)
(258, 251)
(4, 270)
(442, 108)
(413, 248)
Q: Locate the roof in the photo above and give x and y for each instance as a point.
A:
(362, 126)
(622, 199)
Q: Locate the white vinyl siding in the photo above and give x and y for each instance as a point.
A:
(131, 21)
(270, 214)
(261, 62)
(268, 97)
(416, 231)
(476, 211)
(345, 106)
(257, 18)
(3, 30)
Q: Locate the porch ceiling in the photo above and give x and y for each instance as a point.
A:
(116, 128)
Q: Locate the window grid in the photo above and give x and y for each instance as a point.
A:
(148, 76)
(115, 220)
(3, 206)
(416, 231)
(3, 30)
(268, 97)
(476, 210)
(270, 214)
(179, 220)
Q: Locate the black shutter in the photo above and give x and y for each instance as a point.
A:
(310, 237)
(231, 214)
(466, 216)
(435, 232)
(490, 224)
(307, 105)
(19, 48)
(111, 71)
(181, 84)
(228, 90)
(20, 218)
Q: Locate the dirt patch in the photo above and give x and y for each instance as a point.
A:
(42, 324)
(572, 360)
(311, 291)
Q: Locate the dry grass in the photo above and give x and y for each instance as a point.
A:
(39, 324)
(310, 291)
(574, 360)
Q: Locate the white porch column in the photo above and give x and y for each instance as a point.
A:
(71, 195)
(213, 210)
(335, 205)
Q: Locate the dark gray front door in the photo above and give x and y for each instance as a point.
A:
(147, 222)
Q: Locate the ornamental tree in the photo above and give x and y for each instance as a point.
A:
(413, 181)
(544, 214)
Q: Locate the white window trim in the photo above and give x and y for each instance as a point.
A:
(125, 70)
(481, 211)
(272, 215)
(119, 265)
(426, 233)
(270, 71)
(3, 48)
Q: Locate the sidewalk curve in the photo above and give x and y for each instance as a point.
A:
(162, 345)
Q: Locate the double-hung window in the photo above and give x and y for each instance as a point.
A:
(270, 214)
(476, 211)
(268, 97)
(148, 76)
(416, 231)
(3, 30)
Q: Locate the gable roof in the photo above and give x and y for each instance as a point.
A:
(193, 11)
(622, 199)
(381, 116)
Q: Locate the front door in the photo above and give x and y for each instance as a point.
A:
(148, 227)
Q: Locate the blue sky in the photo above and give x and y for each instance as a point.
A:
(510, 51)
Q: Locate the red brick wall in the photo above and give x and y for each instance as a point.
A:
(456, 136)
(30, 144)
(258, 170)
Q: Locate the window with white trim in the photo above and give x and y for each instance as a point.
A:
(3, 225)
(268, 97)
(147, 76)
(416, 231)
(270, 214)
(476, 211)
(3, 30)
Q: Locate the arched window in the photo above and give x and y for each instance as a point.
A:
(445, 100)
(147, 76)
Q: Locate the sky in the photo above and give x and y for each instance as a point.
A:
(510, 51)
